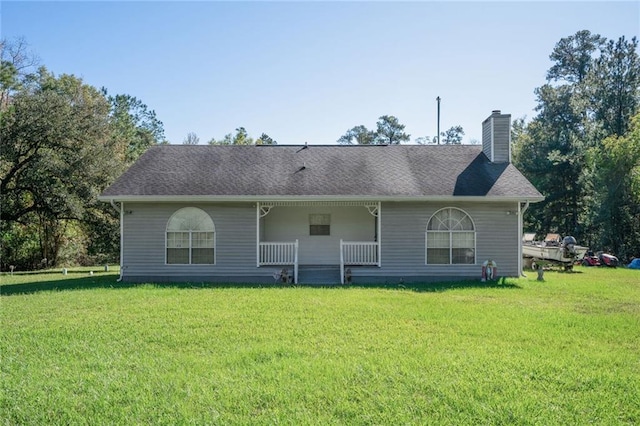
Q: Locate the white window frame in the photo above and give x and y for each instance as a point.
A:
(209, 228)
(320, 219)
(450, 233)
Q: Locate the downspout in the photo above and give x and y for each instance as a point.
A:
(121, 211)
(113, 204)
(520, 225)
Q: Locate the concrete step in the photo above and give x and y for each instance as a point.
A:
(319, 274)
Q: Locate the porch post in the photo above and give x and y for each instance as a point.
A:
(122, 267)
(379, 233)
(295, 264)
(341, 263)
(521, 210)
(258, 234)
(519, 240)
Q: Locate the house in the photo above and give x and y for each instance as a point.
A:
(397, 213)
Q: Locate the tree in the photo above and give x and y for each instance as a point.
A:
(17, 66)
(561, 133)
(390, 131)
(616, 172)
(135, 126)
(426, 140)
(56, 156)
(614, 86)
(358, 134)
(241, 137)
(63, 118)
(452, 136)
(588, 101)
(63, 142)
(573, 57)
(265, 139)
(226, 140)
(191, 139)
(551, 155)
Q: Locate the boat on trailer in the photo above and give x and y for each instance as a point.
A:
(553, 250)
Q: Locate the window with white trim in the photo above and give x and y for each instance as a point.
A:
(450, 238)
(191, 238)
(319, 224)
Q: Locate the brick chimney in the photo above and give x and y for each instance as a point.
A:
(496, 137)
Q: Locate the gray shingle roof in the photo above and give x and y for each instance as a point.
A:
(386, 172)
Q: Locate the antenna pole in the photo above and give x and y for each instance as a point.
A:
(438, 136)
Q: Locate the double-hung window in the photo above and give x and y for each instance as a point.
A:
(191, 237)
(450, 238)
(319, 224)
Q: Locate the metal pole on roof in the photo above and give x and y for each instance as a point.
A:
(438, 136)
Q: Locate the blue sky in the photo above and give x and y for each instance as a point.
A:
(308, 71)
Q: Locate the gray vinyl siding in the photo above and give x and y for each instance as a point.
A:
(501, 138)
(487, 142)
(496, 138)
(402, 238)
(144, 243)
(403, 242)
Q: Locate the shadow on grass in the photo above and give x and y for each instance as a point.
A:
(109, 281)
(54, 272)
(80, 283)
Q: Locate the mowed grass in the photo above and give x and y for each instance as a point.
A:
(82, 349)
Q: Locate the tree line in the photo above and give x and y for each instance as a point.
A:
(241, 137)
(582, 149)
(389, 131)
(63, 142)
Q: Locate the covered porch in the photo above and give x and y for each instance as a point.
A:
(326, 234)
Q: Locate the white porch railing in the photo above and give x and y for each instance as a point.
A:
(279, 253)
(358, 253)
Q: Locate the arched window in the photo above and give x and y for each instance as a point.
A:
(191, 237)
(450, 238)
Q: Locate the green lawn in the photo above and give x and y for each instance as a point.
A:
(84, 349)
